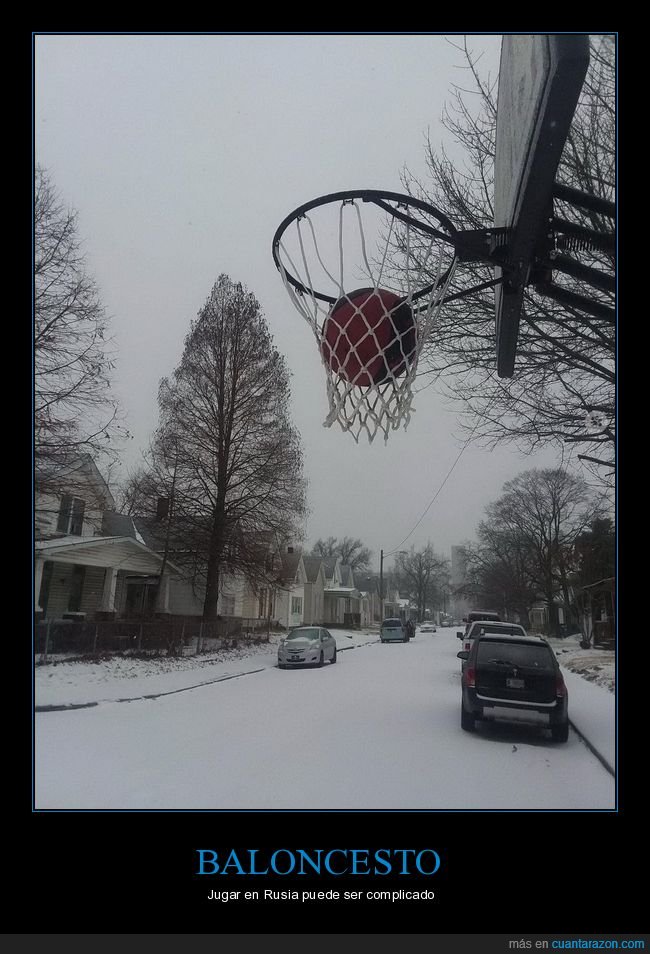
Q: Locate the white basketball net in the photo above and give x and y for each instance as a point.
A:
(403, 260)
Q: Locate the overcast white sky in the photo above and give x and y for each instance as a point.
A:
(183, 154)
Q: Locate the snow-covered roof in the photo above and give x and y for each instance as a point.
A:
(348, 591)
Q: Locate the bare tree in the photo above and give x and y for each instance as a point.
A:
(351, 551)
(500, 569)
(544, 513)
(354, 554)
(225, 447)
(325, 548)
(423, 576)
(563, 389)
(74, 412)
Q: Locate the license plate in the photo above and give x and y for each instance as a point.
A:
(515, 683)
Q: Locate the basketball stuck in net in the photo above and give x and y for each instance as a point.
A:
(369, 336)
(400, 249)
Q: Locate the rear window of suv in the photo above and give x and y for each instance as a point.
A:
(515, 654)
(392, 623)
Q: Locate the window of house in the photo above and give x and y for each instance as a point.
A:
(296, 605)
(71, 516)
(228, 605)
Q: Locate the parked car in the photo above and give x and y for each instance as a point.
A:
(487, 626)
(427, 628)
(478, 614)
(306, 646)
(393, 630)
(514, 678)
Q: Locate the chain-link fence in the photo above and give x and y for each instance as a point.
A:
(174, 636)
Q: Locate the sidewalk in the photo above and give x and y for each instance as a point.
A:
(592, 712)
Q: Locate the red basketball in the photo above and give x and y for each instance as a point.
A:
(368, 336)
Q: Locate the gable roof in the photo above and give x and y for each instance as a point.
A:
(329, 563)
(312, 565)
(65, 477)
(347, 578)
(290, 563)
(116, 524)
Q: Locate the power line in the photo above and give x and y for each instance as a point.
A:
(435, 496)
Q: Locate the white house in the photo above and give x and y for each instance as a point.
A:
(81, 568)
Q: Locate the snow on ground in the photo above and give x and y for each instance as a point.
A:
(62, 681)
(594, 665)
(379, 730)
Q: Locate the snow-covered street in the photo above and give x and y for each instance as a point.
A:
(378, 730)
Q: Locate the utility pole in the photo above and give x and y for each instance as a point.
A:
(381, 577)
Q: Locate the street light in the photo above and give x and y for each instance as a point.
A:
(381, 578)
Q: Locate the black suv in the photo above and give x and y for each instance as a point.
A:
(516, 679)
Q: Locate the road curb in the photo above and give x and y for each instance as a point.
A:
(592, 748)
(150, 695)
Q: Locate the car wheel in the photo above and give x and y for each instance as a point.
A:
(333, 659)
(560, 732)
(467, 720)
(321, 661)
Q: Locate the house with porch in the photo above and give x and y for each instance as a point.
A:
(84, 568)
(92, 562)
(596, 604)
(290, 592)
(314, 590)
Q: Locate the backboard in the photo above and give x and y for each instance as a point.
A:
(540, 78)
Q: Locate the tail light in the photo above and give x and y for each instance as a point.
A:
(469, 677)
(560, 686)
(467, 647)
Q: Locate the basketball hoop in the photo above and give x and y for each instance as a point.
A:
(369, 271)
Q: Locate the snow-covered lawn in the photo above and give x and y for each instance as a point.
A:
(62, 681)
(594, 665)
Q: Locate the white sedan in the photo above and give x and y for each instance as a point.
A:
(306, 646)
(427, 628)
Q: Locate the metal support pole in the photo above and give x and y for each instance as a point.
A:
(381, 587)
(584, 200)
(579, 302)
(585, 273)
